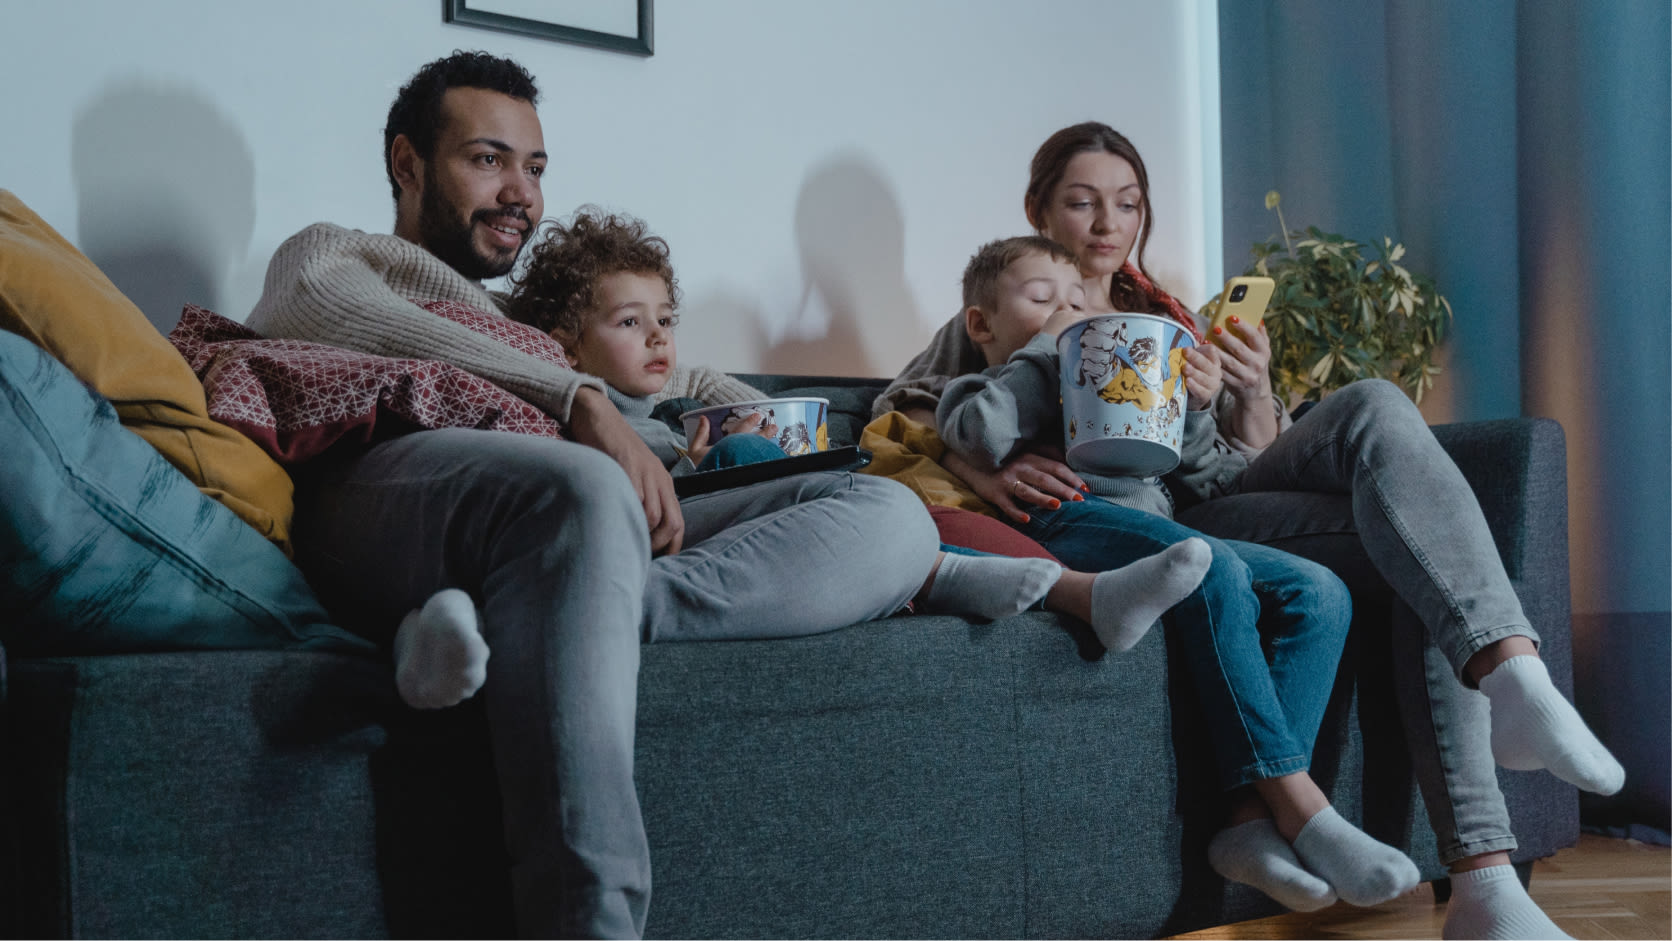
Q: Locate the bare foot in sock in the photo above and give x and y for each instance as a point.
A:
(1127, 600)
(440, 657)
(1491, 903)
(1256, 854)
(988, 586)
(1362, 870)
(1535, 727)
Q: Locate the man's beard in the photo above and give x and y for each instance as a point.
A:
(450, 240)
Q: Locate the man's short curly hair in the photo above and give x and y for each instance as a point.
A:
(555, 291)
(981, 274)
(416, 111)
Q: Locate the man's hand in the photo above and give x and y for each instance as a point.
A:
(594, 422)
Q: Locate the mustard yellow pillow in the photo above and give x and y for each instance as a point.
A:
(51, 294)
(908, 451)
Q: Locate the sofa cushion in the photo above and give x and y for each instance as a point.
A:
(104, 547)
(51, 294)
(297, 399)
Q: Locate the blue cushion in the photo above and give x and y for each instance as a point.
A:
(105, 547)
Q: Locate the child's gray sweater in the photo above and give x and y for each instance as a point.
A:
(991, 416)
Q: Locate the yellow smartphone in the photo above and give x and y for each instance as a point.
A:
(1245, 297)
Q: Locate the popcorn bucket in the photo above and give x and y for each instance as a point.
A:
(1123, 393)
(797, 425)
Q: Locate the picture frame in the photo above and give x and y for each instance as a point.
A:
(615, 25)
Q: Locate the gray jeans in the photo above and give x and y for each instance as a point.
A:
(1420, 525)
(551, 541)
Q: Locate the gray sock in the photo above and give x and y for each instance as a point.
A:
(440, 657)
(989, 586)
(1535, 727)
(1255, 853)
(1127, 600)
(1491, 903)
(1362, 870)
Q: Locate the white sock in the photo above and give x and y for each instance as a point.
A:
(1491, 903)
(1535, 727)
(989, 586)
(1255, 853)
(1127, 600)
(1363, 871)
(440, 657)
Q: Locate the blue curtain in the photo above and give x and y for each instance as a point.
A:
(1521, 153)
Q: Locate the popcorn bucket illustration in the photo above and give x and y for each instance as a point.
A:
(1123, 393)
(795, 424)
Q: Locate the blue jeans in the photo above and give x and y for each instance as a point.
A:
(105, 547)
(1261, 635)
(1422, 528)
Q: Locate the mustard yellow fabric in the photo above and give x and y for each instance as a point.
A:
(52, 295)
(909, 451)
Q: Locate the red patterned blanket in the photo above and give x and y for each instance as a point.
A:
(296, 399)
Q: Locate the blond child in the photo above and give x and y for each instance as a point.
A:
(1264, 630)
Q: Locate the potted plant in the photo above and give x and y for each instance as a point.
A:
(1337, 315)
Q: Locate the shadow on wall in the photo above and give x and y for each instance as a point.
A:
(165, 194)
(856, 306)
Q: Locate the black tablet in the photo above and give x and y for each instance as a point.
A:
(847, 458)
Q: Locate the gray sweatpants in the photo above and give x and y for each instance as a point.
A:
(551, 540)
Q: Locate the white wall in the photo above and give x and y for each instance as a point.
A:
(822, 170)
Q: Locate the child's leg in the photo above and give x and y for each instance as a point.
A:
(440, 657)
(737, 450)
(968, 582)
(1305, 855)
(1121, 604)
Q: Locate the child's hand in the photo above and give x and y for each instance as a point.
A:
(699, 447)
(1202, 376)
(1062, 320)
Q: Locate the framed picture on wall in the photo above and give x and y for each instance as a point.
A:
(617, 25)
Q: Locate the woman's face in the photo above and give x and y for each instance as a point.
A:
(1095, 212)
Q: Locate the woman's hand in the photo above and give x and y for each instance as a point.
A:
(1203, 376)
(594, 422)
(1245, 364)
(1027, 479)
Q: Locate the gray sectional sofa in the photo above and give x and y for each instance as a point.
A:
(912, 777)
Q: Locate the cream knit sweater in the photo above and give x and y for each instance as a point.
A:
(361, 291)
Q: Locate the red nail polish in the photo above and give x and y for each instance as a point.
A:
(1054, 504)
(1025, 517)
(1218, 331)
(1079, 498)
(1234, 319)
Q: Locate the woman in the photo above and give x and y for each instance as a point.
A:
(1416, 517)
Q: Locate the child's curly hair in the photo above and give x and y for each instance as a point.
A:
(554, 293)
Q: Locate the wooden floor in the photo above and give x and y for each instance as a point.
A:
(1603, 888)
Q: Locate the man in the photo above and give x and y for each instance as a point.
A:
(553, 539)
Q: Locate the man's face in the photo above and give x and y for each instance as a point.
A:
(480, 197)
